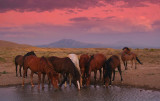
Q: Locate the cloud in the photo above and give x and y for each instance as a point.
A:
(49, 5)
(131, 3)
(44, 5)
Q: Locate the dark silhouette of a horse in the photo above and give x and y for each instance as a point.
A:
(19, 61)
(127, 55)
(96, 62)
(40, 66)
(65, 66)
(83, 62)
(110, 65)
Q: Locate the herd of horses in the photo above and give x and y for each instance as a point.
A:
(78, 71)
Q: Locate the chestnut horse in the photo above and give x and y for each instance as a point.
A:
(41, 66)
(19, 61)
(110, 65)
(127, 55)
(96, 62)
(65, 66)
(83, 62)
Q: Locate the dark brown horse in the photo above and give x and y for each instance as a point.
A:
(96, 62)
(127, 55)
(83, 62)
(110, 65)
(65, 66)
(19, 62)
(40, 66)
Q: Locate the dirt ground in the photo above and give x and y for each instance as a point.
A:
(145, 76)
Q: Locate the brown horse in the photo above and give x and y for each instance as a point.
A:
(129, 57)
(18, 62)
(65, 66)
(40, 66)
(83, 62)
(110, 65)
(96, 62)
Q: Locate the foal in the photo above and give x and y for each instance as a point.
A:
(110, 65)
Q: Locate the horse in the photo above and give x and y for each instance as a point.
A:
(65, 66)
(75, 60)
(18, 62)
(40, 66)
(83, 62)
(96, 62)
(129, 57)
(110, 65)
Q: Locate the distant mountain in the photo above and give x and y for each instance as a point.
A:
(69, 43)
(11, 44)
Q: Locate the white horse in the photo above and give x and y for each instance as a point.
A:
(75, 60)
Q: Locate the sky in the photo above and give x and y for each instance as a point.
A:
(38, 22)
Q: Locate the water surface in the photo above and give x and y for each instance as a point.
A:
(113, 93)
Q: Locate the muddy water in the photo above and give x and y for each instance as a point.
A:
(113, 93)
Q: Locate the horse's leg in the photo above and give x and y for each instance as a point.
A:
(126, 65)
(135, 64)
(70, 80)
(131, 63)
(100, 72)
(23, 77)
(95, 75)
(65, 79)
(20, 70)
(31, 78)
(16, 70)
(120, 72)
(110, 77)
(113, 75)
(43, 80)
(39, 79)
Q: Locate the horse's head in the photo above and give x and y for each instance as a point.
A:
(76, 78)
(107, 72)
(54, 78)
(126, 50)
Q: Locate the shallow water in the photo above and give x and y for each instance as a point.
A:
(113, 93)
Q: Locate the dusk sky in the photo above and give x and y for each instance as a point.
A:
(38, 22)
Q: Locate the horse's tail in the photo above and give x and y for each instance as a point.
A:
(138, 60)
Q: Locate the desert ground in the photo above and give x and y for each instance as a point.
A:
(145, 76)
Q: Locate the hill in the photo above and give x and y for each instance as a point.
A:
(11, 44)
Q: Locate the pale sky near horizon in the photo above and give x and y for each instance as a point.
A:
(38, 22)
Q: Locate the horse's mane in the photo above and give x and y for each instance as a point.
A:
(30, 53)
(87, 67)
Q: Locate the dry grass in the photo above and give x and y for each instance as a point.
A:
(148, 56)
